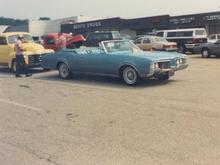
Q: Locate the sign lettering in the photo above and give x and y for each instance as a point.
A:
(87, 25)
(185, 20)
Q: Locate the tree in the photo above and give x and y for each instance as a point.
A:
(44, 18)
(12, 22)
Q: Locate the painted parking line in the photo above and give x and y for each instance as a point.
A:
(20, 105)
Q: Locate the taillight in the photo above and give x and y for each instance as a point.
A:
(164, 46)
(194, 40)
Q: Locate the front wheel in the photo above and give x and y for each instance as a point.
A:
(205, 53)
(13, 66)
(64, 71)
(130, 76)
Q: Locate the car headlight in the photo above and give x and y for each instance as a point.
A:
(151, 66)
(156, 65)
(178, 62)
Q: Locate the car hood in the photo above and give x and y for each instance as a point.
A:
(157, 56)
(34, 48)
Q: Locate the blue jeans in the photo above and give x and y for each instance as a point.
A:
(21, 67)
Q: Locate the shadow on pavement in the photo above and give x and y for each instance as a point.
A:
(103, 81)
(5, 70)
(200, 57)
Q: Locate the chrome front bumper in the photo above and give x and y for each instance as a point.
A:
(181, 67)
(170, 71)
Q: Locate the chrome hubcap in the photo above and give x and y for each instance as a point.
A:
(130, 76)
(205, 53)
(64, 71)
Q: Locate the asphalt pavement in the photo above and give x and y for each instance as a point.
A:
(92, 120)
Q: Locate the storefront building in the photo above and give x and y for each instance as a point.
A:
(209, 21)
(125, 26)
(140, 26)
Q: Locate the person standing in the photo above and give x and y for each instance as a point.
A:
(62, 41)
(21, 67)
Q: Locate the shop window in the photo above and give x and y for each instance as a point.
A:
(171, 34)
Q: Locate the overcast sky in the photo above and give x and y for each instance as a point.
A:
(33, 9)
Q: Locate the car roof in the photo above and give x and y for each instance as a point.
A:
(149, 36)
(104, 31)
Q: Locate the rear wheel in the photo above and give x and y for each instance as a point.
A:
(13, 66)
(130, 76)
(64, 71)
(205, 53)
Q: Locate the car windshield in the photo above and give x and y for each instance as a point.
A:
(159, 39)
(119, 46)
(27, 38)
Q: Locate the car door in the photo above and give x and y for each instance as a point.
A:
(216, 48)
(95, 63)
(4, 50)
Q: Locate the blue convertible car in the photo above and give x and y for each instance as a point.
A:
(118, 58)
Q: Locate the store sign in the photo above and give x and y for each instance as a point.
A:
(185, 20)
(68, 22)
(87, 25)
(212, 17)
(155, 20)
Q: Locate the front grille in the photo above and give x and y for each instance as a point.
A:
(34, 59)
(184, 61)
(164, 65)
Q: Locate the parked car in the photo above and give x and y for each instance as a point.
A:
(118, 58)
(51, 41)
(208, 49)
(186, 39)
(94, 38)
(213, 38)
(33, 54)
(155, 43)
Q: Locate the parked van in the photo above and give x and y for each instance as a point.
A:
(186, 39)
(33, 52)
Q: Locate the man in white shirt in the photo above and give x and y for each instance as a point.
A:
(21, 67)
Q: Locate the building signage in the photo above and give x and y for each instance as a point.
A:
(87, 25)
(212, 17)
(184, 20)
(155, 20)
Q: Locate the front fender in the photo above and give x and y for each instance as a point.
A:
(133, 65)
(10, 59)
(62, 60)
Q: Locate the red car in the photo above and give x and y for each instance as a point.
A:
(51, 41)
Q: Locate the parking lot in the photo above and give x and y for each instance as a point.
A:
(95, 120)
